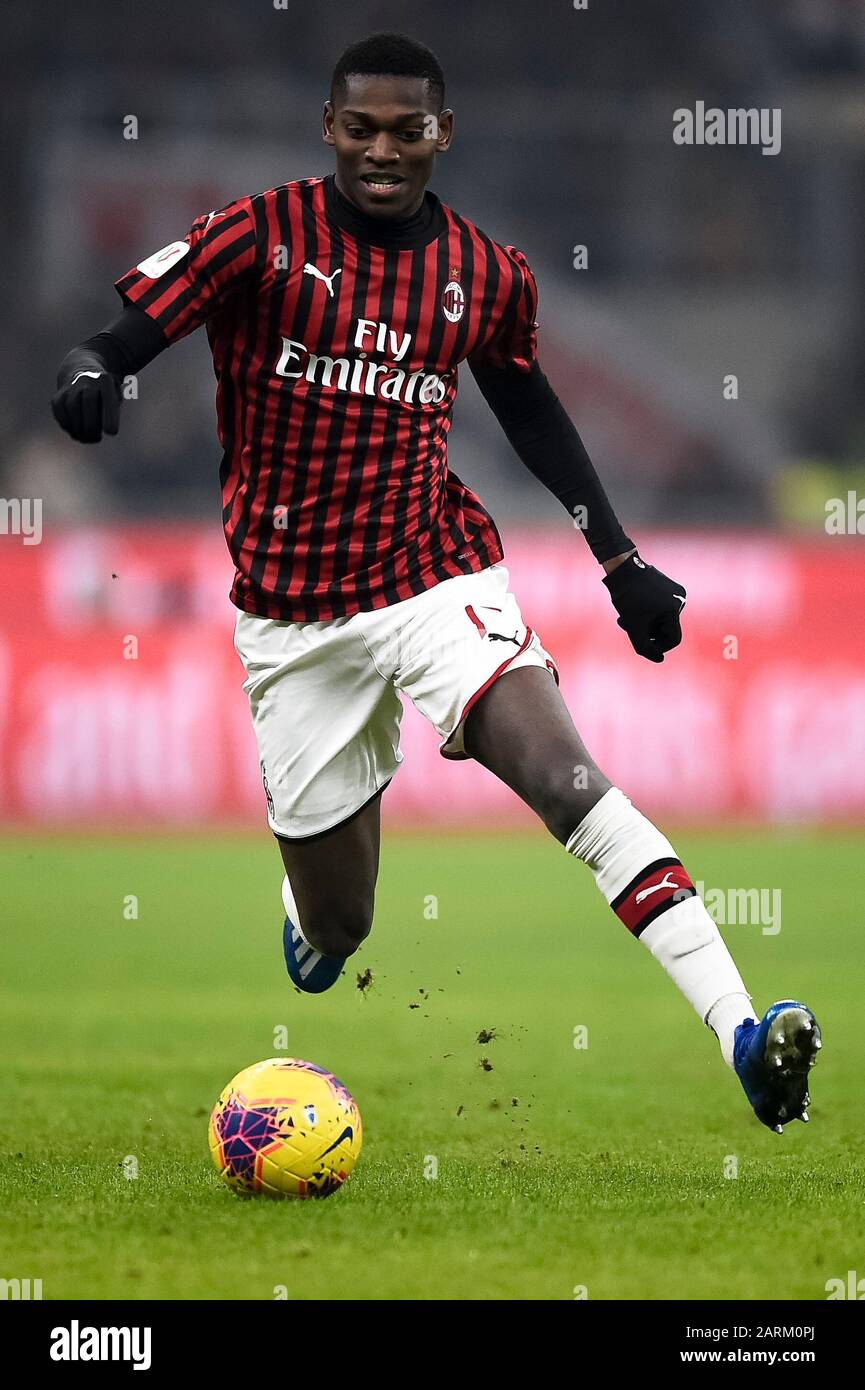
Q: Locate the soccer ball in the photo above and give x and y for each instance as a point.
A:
(285, 1128)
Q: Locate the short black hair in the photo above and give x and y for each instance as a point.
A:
(389, 55)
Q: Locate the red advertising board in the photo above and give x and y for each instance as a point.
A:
(121, 700)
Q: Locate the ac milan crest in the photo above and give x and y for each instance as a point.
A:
(453, 301)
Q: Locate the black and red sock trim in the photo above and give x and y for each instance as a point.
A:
(655, 889)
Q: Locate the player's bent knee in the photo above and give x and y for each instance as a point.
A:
(337, 930)
(563, 807)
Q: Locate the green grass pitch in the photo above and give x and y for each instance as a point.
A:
(560, 1168)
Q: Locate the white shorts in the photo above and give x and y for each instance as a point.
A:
(324, 695)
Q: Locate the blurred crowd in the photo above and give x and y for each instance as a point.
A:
(716, 261)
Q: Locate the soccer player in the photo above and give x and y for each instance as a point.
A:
(338, 309)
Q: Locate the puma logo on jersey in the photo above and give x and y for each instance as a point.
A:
(500, 637)
(655, 886)
(320, 275)
(210, 217)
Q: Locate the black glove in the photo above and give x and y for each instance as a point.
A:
(648, 605)
(87, 405)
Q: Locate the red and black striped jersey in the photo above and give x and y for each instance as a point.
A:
(336, 347)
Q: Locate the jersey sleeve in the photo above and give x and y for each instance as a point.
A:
(515, 340)
(186, 282)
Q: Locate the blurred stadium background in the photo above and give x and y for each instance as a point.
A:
(702, 262)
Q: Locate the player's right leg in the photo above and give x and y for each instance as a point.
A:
(327, 725)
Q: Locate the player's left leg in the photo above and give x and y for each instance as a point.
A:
(521, 730)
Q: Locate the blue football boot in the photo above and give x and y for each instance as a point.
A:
(308, 969)
(772, 1060)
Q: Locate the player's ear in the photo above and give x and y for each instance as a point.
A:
(445, 130)
(327, 124)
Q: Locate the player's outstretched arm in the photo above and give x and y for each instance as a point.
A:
(543, 435)
(87, 402)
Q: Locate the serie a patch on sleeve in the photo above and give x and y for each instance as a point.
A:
(157, 264)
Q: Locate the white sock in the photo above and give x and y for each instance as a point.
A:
(307, 956)
(638, 872)
(290, 905)
(724, 1018)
